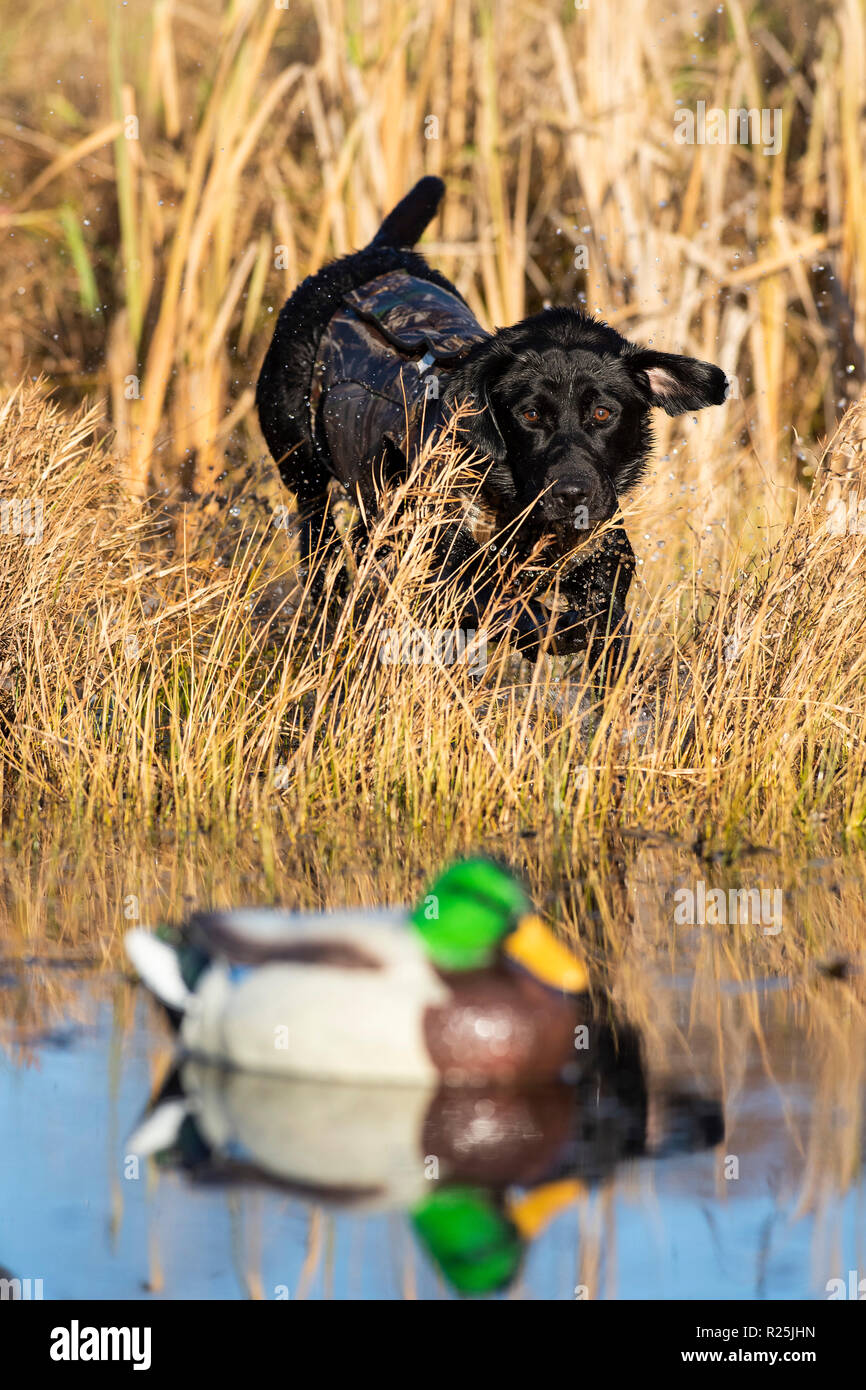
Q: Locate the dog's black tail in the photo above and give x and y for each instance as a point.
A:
(404, 225)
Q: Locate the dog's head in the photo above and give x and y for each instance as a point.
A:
(561, 404)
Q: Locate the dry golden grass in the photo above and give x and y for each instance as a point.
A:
(140, 682)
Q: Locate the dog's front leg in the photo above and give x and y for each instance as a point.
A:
(597, 621)
(468, 565)
(605, 638)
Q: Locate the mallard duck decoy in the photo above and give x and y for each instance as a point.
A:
(471, 987)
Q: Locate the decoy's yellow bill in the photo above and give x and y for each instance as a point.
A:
(533, 945)
(535, 1210)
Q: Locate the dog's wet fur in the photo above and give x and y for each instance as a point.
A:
(559, 406)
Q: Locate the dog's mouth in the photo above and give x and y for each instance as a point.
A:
(551, 550)
(555, 558)
(560, 548)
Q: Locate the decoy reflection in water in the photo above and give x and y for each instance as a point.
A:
(480, 1171)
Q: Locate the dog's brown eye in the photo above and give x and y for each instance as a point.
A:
(530, 415)
(600, 414)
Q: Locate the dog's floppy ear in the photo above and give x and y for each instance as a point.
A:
(477, 378)
(678, 384)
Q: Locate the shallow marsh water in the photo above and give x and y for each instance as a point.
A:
(712, 1148)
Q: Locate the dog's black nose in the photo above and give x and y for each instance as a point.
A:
(571, 495)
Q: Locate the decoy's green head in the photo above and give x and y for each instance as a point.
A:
(476, 910)
(477, 1248)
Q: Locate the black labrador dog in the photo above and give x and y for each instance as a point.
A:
(378, 349)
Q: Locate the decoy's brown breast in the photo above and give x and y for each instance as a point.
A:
(498, 1135)
(499, 1027)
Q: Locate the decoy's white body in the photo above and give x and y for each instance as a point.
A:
(317, 1020)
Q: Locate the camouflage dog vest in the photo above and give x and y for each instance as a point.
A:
(379, 362)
